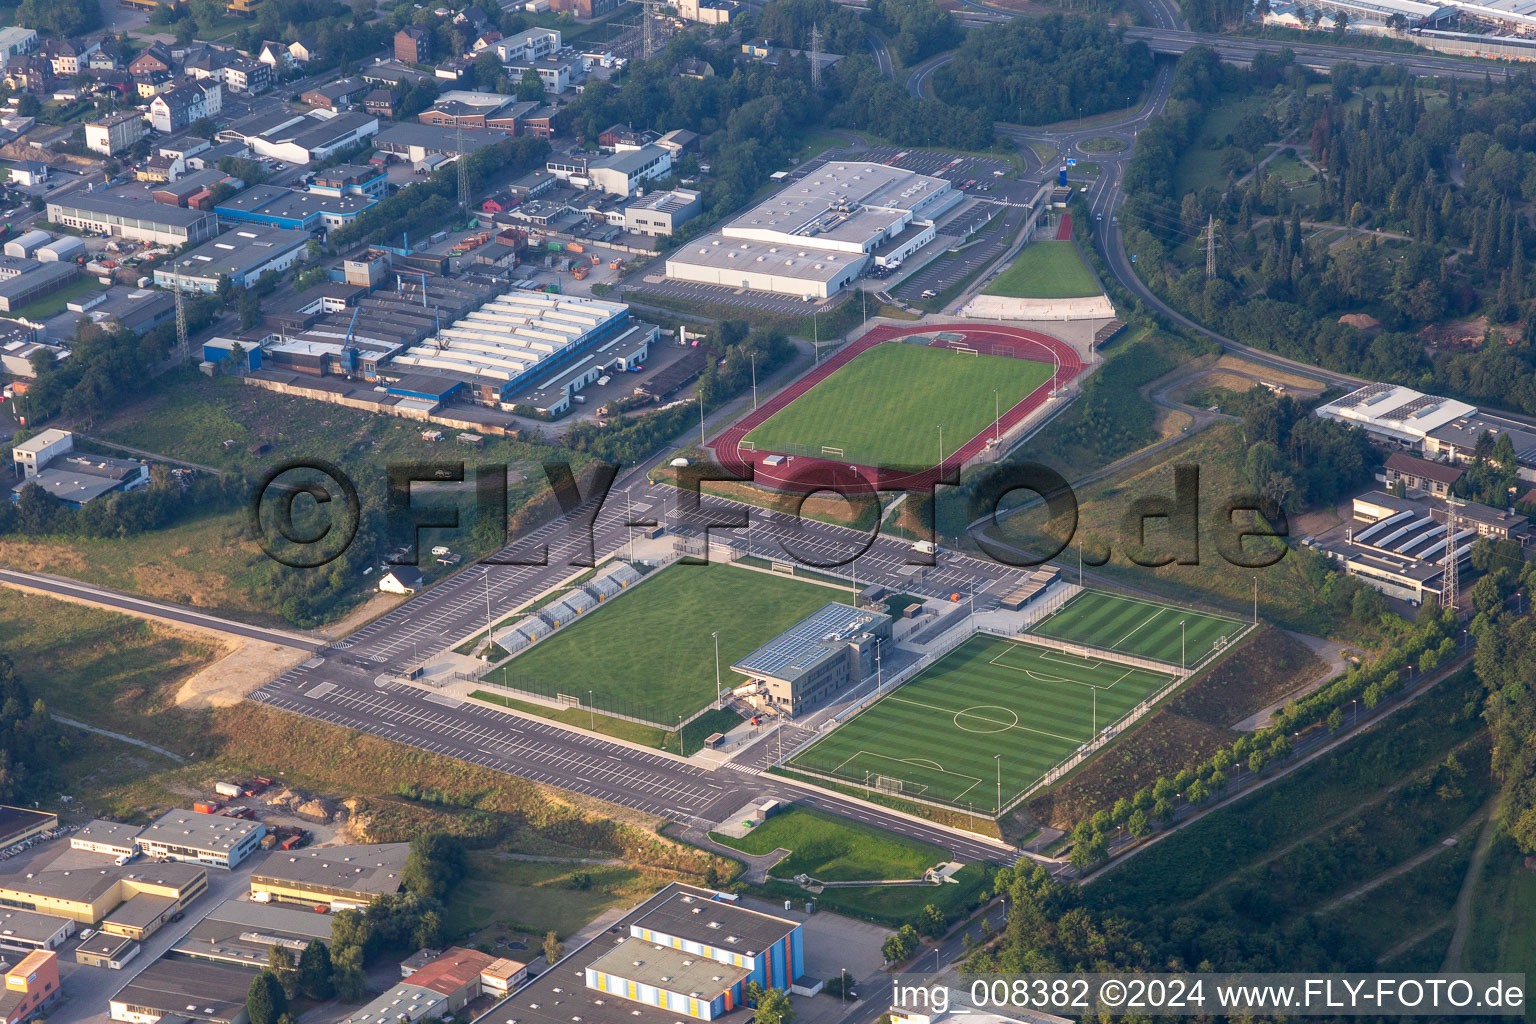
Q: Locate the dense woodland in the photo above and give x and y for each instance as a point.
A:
(1040, 70)
(1438, 181)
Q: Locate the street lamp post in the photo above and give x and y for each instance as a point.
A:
(716, 635)
(842, 977)
(1183, 666)
(487, 577)
(941, 448)
(997, 418)
(999, 759)
(1255, 600)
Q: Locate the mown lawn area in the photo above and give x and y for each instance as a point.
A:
(648, 652)
(1045, 270)
(895, 905)
(833, 849)
(884, 407)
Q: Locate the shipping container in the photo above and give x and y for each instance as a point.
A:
(206, 806)
(575, 247)
(227, 789)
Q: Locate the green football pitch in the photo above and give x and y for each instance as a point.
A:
(989, 706)
(1045, 270)
(885, 406)
(1130, 625)
(648, 651)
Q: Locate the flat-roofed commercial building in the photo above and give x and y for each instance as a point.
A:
(518, 340)
(1392, 413)
(668, 979)
(26, 930)
(347, 875)
(827, 651)
(687, 952)
(88, 888)
(18, 824)
(817, 235)
(197, 990)
(208, 839)
(112, 838)
(245, 933)
(242, 255)
(106, 950)
(276, 207)
(137, 219)
(662, 213)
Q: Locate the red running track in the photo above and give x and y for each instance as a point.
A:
(1064, 229)
(806, 473)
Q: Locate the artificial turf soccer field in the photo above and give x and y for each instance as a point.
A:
(940, 734)
(1045, 270)
(885, 406)
(1132, 626)
(648, 652)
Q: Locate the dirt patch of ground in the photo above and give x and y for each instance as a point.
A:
(1458, 334)
(232, 678)
(1311, 524)
(363, 614)
(1360, 321)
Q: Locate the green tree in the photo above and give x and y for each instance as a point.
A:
(315, 971)
(280, 963)
(1139, 825)
(554, 949)
(930, 922)
(348, 980)
(774, 1008)
(264, 1000)
(530, 88)
(900, 945)
(434, 865)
